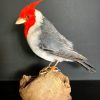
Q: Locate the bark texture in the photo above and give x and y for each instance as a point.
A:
(50, 86)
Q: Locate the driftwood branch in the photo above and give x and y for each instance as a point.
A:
(50, 86)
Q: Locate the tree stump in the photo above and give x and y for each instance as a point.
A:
(50, 86)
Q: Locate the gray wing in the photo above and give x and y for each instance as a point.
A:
(51, 36)
(55, 43)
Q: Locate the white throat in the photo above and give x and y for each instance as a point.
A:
(39, 17)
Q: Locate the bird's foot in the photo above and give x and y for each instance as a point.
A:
(54, 68)
(47, 69)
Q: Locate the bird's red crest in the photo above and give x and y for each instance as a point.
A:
(28, 12)
(29, 9)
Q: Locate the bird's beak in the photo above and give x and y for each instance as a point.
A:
(20, 21)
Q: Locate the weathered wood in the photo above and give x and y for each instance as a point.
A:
(50, 86)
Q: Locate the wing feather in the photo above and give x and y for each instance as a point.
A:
(51, 36)
(55, 43)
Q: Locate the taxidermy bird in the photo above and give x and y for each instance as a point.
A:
(45, 40)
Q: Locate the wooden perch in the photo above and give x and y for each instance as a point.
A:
(50, 86)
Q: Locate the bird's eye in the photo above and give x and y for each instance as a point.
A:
(27, 16)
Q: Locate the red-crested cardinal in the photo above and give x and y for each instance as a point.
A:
(45, 40)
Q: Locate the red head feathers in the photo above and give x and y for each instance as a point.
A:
(27, 16)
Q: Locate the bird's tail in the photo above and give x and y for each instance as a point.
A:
(87, 66)
(83, 61)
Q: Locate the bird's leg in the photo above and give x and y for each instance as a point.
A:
(56, 63)
(46, 69)
(49, 67)
(54, 67)
(50, 64)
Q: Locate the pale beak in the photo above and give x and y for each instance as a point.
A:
(20, 21)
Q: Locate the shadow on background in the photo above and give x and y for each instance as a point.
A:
(21, 38)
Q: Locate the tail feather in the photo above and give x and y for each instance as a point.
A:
(87, 66)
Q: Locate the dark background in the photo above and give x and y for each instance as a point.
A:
(78, 20)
